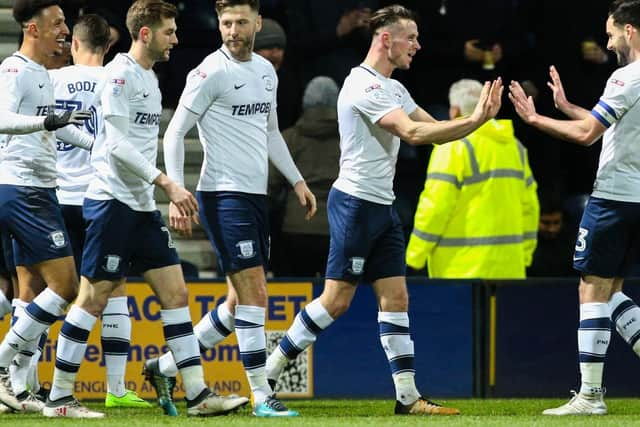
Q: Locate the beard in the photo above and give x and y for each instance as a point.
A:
(242, 46)
(157, 53)
(622, 55)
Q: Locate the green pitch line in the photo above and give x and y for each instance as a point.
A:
(359, 413)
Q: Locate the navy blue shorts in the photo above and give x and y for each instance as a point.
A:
(32, 217)
(116, 236)
(74, 223)
(7, 264)
(608, 243)
(238, 228)
(366, 243)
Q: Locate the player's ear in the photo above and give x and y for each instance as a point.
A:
(258, 23)
(145, 34)
(75, 44)
(32, 28)
(385, 37)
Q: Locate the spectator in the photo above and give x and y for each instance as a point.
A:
(114, 11)
(556, 240)
(329, 37)
(271, 43)
(463, 39)
(314, 144)
(577, 48)
(478, 212)
(197, 32)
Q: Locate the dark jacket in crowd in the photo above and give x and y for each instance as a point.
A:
(314, 144)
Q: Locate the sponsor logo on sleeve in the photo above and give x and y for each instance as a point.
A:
(617, 82)
(372, 87)
(117, 85)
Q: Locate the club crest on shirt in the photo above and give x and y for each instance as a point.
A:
(247, 249)
(58, 239)
(111, 263)
(268, 82)
(357, 265)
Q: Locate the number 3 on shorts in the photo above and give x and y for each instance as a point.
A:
(581, 244)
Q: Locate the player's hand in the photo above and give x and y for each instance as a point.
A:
(495, 98)
(183, 200)
(489, 102)
(306, 198)
(524, 105)
(181, 223)
(559, 96)
(56, 121)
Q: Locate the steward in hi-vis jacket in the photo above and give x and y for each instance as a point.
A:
(478, 213)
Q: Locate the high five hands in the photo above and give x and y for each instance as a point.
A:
(523, 104)
(490, 101)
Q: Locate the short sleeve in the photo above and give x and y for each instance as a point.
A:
(10, 88)
(117, 93)
(199, 91)
(374, 102)
(620, 94)
(408, 104)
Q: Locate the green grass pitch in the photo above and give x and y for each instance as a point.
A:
(369, 413)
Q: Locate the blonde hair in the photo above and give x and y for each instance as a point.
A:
(465, 94)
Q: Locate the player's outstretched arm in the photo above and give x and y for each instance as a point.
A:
(56, 121)
(581, 131)
(416, 133)
(19, 124)
(560, 98)
(74, 136)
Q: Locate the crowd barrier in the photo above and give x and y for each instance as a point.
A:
(472, 339)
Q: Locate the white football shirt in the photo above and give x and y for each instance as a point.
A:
(77, 87)
(29, 159)
(368, 153)
(234, 100)
(618, 176)
(129, 91)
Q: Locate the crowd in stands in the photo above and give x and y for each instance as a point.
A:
(304, 39)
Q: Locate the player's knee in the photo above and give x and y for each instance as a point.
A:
(68, 292)
(594, 289)
(175, 299)
(397, 301)
(338, 306)
(94, 306)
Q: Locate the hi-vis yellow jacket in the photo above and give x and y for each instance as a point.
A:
(478, 213)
